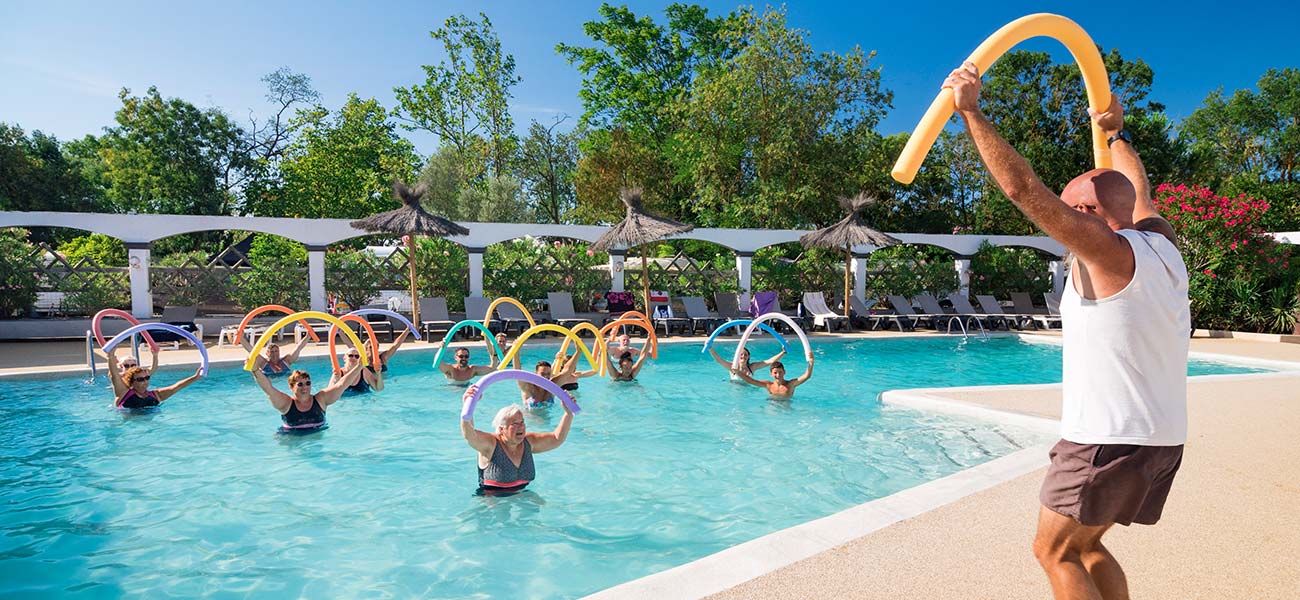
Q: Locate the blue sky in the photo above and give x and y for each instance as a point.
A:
(62, 63)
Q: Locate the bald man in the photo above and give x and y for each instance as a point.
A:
(1125, 324)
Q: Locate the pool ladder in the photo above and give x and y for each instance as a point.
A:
(984, 335)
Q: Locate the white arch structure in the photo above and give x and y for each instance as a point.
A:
(139, 231)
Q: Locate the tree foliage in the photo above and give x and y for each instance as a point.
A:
(465, 99)
(341, 165)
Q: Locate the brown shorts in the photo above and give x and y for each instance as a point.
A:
(1099, 484)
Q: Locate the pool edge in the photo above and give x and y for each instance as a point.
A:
(740, 563)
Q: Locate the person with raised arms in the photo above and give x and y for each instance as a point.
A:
(131, 388)
(747, 367)
(130, 362)
(301, 411)
(1125, 319)
(779, 387)
(568, 374)
(624, 345)
(271, 362)
(505, 458)
(461, 371)
(503, 342)
(386, 355)
(369, 379)
(626, 368)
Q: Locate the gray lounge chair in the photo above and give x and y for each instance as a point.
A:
(1024, 304)
(1053, 309)
(182, 317)
(510, 317)
(668, 323)
(475, 310)
(434, 317)
(862, 314)
(930, 305)
(561, 309)
(962, 305)
(991, 306)
(381, 323)
(729, 306)
(814, 304)
(805, 323)
(700, 315)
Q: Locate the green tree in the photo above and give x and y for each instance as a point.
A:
(465, 99)
(341, 165)
(17, 272)
(167, 156)
(634, 74)
(770, 136)
(1040, 108)
(102, 250)
(546, 168)
(1249, 143)
(36, 175)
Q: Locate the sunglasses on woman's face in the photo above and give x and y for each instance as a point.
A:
(302, 382)
(354, 355)
(139, 378)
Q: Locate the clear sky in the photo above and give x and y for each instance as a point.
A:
(62, 63)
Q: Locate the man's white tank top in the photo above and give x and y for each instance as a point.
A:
(1125, 356)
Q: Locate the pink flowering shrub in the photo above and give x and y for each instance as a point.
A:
(1240, 278)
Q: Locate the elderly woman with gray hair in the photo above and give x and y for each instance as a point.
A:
(505, 458)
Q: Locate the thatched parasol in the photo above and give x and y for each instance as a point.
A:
(849, 232)
(637, 229)
(410, 220)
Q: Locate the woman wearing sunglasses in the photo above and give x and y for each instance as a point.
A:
(300, 410)
(369, 379)
(131, 390)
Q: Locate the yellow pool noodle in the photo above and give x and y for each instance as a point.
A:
(1064, 30)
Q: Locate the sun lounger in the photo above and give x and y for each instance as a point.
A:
(661, 313)
(475, 310)
(862, 315)
(1025, 305)
(700, 315)
(434, 316)
(991, 306)
(729, 306)
(561, 309)
(903, 311)
(962, 305)
(182, 317)
(814, 304)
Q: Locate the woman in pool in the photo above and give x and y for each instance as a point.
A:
(370, 378)
(303, 411)
(505, 458)
(386, 355)
(131, 389)
(568, 375)
(779, 387)
(130, 362)
(625, 368)
(271, 363)
(503, 342)
(745, 365)
(460, 372)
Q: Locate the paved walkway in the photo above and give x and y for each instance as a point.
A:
(1229, 531)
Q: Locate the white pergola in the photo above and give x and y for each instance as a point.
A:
(139, 231)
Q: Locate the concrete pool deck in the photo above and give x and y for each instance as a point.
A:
(1229, 528)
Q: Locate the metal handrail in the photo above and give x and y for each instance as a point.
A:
(959, 323)
(90, 353)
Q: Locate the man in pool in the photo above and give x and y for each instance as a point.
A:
(461, 371)
(779, 387)
(1125, 320)
(745, 365)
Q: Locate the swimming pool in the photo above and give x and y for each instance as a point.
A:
(201, 498)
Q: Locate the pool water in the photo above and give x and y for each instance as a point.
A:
(202, 499)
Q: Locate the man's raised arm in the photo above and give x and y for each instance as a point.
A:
(1126, 161)
(1089, 238)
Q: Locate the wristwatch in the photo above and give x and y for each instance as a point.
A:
(1122, 135)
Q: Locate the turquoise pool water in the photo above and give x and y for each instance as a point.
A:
(201, 499)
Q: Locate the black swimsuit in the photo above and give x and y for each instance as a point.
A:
(133, 400)
(298, 421)
(569, 387)
(361, 387)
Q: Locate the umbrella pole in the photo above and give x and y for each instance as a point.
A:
(848, 261)
(415, 294)
(645, 280)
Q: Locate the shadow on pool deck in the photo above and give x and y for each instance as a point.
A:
(1229, 529)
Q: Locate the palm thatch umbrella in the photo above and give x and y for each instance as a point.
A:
(849, 232)
(637, 229)
(410, 220)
